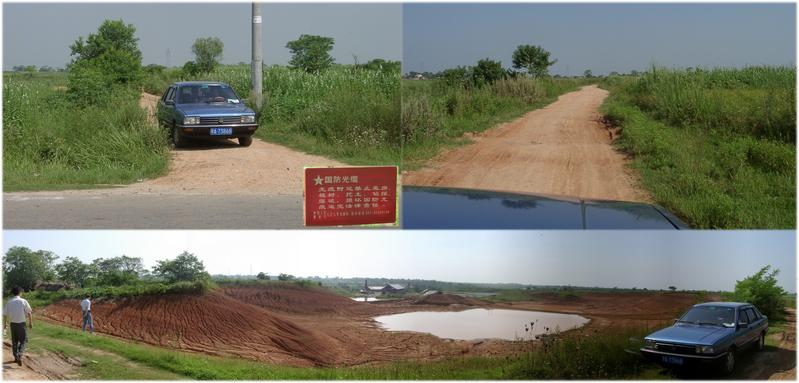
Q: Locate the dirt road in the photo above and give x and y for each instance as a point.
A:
(210, 185)
(562, 150)
(42, 365)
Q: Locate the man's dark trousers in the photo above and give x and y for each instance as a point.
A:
(19, 338)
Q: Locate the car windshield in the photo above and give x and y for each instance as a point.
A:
(712, 315)
(206, 94)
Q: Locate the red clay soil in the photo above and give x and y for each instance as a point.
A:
(212, 323)
(447, 299)
(292, 298)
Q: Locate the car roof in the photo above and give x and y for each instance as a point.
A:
(182, 83)
(723, 304)
(455, 208)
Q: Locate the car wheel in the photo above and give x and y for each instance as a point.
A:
(245, 141)
(177, 139)
(729, 362)
(761, 343)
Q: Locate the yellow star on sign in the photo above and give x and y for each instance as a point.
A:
(317, 180)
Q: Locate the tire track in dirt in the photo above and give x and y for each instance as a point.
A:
(562, 150)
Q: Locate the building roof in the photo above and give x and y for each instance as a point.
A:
(395, 286)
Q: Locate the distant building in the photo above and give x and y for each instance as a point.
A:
(387, 288)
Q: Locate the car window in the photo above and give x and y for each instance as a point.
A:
(166, 93)
(751, 315)
(714, 315)
(207, 93)
(757, 313)
(742, 317)
(171, 95)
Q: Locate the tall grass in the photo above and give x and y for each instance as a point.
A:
(347, 113)
(49, 143)
(716, 147)
(436, 114)
(43, 298)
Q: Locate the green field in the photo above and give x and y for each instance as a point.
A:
(436, 115)
(716, 147)
(49, 143)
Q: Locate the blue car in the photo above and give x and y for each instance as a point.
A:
(203, 109)
(708, 333)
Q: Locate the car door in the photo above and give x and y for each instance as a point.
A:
(166, 106)
(755, 324)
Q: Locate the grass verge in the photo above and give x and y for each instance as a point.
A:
(50, 144)
(700, 153)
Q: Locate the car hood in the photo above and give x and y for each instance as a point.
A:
(687, 333)
(451, 208)
(214, 109)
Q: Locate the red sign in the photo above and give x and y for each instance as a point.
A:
(350, 195)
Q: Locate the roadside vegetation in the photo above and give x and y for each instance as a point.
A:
(439, 111)
(715, 146)
(83, 127)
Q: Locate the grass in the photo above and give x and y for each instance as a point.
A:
(594, 356)
(49, 144)
(715, 147)
(436, 115)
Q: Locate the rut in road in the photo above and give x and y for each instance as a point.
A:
(562, 150)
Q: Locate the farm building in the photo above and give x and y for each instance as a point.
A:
(387, 288)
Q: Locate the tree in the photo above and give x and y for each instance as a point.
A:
(285, 277)
(761, 290)
(118, 271)
(207, 53)
(103, 61)
(25, 268)
(672, 288)
(487, 72)
(185, 267)
(382, 65)
(311, 53)
(456, 76)
(534, 59)
(75, 272)
(262, 276)
(588, 74)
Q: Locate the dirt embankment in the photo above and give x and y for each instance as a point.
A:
(562, 149)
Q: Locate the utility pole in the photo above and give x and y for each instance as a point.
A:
(257, 58)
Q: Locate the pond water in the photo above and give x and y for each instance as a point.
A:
(364, 299)
(482, 323)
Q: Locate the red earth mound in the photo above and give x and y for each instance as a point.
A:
(291, 298)
(211, 323)
(447, 299)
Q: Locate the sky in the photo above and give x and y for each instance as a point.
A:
(40, 34)
(710, 260)
(600, 37)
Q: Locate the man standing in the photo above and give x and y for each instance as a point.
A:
(16, 311)
(86, 307)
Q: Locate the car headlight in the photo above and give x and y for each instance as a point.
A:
(649, 343)
(247, 119)
(191, 120)
(705, 350)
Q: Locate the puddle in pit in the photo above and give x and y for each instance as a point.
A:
(482, 323)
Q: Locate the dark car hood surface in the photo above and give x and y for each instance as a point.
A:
(451, 208)
(214, 109)
(687, 333)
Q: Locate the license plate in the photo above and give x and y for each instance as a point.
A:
(221, 131)
(672, 360)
